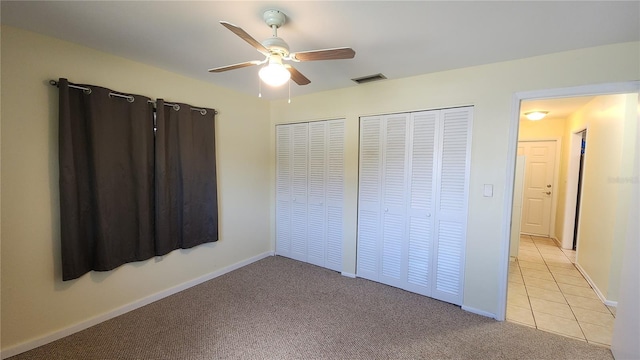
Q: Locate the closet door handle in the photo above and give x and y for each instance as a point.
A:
(428, 214)
(386, 209)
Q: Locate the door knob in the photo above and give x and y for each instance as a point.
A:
(386, 209)
(548, 185)
(428, 214)
(548, 192)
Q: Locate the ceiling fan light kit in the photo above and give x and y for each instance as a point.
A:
(274, 73)
(536, 115)
(275, 50)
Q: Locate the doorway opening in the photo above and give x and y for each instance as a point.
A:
(555, 285)
(583, 143)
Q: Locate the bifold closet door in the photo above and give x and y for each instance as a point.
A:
(310, 192)
(381, 254)
(369, 198)
(334, 195)
(413, 190)
(452, 195)
(420, 202)
(283, 190)
(291, 191)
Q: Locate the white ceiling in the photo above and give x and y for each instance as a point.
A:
(398, 39)
(560, 108)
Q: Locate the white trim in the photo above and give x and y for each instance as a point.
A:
(585, 90)
(479, 312)
(59, 334)
(595, 288)
(349, 275)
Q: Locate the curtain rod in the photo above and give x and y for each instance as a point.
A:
(130, 98)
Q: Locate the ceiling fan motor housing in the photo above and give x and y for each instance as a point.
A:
(276, 46)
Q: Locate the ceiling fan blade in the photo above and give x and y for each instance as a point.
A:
(325, 54)
(297, 76)
(246, 37)
(235, 66)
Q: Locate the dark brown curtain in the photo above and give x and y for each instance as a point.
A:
(186, 190)
(106, 152)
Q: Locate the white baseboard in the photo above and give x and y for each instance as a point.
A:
(59, 334)
(478, 311)
(349, 275)
(595, 288)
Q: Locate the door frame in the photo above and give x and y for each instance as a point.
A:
(585, 90)
(556, 174)
(571, 192)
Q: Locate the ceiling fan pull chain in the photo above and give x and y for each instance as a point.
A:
(289, 102)
(259, 87)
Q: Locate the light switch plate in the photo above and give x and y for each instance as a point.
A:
(488, 190)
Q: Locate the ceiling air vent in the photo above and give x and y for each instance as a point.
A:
(369, 78)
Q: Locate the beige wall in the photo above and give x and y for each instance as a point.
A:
(606, 188)
(545, 129)
(35, 302)
(490, 88)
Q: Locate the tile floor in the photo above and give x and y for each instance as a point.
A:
(547, 292)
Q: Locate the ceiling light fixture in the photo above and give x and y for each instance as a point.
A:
(274, 74)
(536, 115)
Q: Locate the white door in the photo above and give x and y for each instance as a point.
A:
(452, 194)
(369, 190)
(299, 144)
(283, 190)
(420, 203)
(412, 203)
(394, 161)
(538, 186)
(317, 188)
(334, 198)
(310, 192)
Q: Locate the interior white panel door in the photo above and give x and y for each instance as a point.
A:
(283, 190)
(369, 198)
(316, 239)
(451, 204)
(420, 203)
(394, 168)
(299, 192)
(537, 195)
(334, 194)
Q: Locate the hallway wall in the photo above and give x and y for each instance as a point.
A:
(605, 190)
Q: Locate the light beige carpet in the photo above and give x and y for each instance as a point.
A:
(279, 308)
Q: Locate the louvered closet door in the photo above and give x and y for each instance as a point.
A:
(335, 194)
(316, 239)
(283, 190)
(451, 203)
(299, 192)
(394, 167)
(412, 205)
(369, 198)
(310, 192)
(421, 205)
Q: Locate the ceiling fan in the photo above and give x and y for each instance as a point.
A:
(275, 50)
